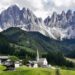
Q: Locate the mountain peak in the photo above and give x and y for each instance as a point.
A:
(57, 26)
(47, 20)
(14, 6)
(69, 14)
(63, 13)
(54, 17)
(54, 14)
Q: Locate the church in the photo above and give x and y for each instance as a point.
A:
(39, 62)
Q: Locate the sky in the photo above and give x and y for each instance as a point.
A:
(41, 8)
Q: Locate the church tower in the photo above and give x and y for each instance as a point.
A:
(37, 58)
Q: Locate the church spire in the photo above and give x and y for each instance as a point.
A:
(37, 58)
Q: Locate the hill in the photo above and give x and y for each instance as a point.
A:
(24, 45)
(32, 41)
(5, 47)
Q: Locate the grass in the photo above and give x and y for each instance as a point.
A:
(36, 71)
(2, 67)
(67, 72)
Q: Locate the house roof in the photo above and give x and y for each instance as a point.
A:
(4, 57)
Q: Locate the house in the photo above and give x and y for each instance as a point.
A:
(39, 62)
(5, 60)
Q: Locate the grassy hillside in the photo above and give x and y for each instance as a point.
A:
(2, 67)
(67, 72)
(37, 71)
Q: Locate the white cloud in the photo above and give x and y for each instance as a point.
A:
(4, 4)
(41, 8)
(64, 3)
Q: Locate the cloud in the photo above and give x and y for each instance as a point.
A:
(41, 8)
(63, 4)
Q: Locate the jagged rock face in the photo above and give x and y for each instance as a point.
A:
(24, 19)
(14, 17)
(62, 25)
(57, 26)
(10, 17)
(47, 20)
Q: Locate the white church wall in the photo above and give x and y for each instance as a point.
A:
(35, 66)
(45, 62)
(17, 65)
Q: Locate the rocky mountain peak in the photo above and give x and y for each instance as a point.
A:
(69, 15)
(14, 7)
(47, 20)
(63, 13)
(57, 26)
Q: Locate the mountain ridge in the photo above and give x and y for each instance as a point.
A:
(58, 26)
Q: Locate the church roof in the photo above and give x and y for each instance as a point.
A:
(41, 59)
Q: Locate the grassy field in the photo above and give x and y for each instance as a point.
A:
(2, 67)
(37, 71)
(67, 72)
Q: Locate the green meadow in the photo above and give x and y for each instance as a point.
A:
(37, 71)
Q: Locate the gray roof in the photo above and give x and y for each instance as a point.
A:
(4, 57)
(42, 59)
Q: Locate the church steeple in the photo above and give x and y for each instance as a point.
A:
(37, 58)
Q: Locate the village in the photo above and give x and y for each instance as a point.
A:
(38, 62)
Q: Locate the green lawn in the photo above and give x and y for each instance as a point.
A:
(67, 72)
(2, 67)
(36, 71)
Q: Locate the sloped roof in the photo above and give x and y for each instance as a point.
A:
(42, 59)
(4, 57)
